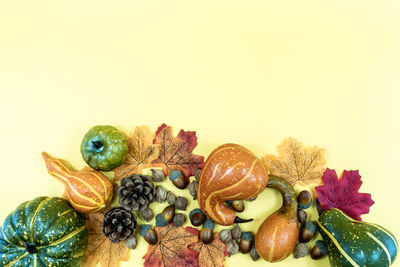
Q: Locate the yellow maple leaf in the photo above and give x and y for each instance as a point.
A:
(141, 153)
(297, 164)
(100, 249)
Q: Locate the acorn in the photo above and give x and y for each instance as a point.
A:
(177, 179)
(301, 250)
(319, 250)
(179, 219)
(157, 175)
(246, 242)
(168, 213)
(225, 236)
(197, 174)
(232, 247)
(254, 254)
(131, 242)
(181, 203)
(236, 232)
(304, 199)
(206, 233)
(301, 216)
(171, 198)
(237, 205)
(160, 220)
(193, 187)
(197, 217)
(147, 214)
(148, 233)
(307, 231)
(161, 194)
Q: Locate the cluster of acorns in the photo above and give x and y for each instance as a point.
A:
(168, 215)
(308, 230)
(236, 240)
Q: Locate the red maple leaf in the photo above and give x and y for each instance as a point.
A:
(343, 193)
(172, 249)
(176, 153)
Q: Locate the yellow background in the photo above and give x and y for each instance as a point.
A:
(249, 72)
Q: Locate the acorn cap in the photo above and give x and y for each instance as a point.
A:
(247, 236)
(305, 206)
(144, 229)
(311, 226)
(321, 246)
(160, 220)
(174, 174)
(209, 224)
(196, 211)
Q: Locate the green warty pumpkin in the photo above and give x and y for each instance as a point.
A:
(43, 232)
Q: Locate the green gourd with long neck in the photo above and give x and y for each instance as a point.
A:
(356, 243)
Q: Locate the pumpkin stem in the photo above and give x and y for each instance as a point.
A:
(97, 144)
(30, 248)
(240, 220)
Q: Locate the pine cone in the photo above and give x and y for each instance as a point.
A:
(119, 224)
(136, 192)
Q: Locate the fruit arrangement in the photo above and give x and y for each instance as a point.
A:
(109, 206)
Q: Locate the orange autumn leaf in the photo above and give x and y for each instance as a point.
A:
(297, 164)
(171, 249)
(100, 248)
(212, 254)
(141, 153)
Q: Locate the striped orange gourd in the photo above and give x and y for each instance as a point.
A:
(231, 172)
(87, 190)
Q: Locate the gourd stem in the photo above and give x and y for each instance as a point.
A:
(289, 204)
(240, 220)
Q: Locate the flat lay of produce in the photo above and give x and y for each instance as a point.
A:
(131, 192)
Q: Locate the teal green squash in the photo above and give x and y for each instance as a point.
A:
(43, 232)
(104, 148)
(356, 243)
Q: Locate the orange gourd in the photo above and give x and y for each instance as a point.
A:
(277, 236)
(87, 190)
(231, 172)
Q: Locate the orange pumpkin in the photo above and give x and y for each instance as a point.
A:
(87, 190)
(231, 172)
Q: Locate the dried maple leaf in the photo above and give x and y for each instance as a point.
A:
(141, 153)
(176, 153)
(100, 249)
(212, 254)
(295, 163)
(343, 193)
(171, 248)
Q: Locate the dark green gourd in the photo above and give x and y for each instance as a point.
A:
(355, 243)
(43, 232)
